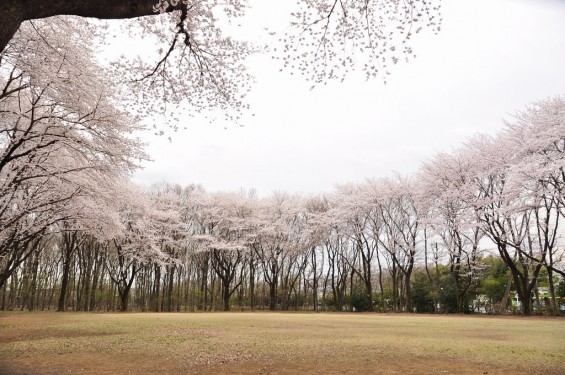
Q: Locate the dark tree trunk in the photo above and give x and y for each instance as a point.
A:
(226, 296)
(124, 299)
(431, 278)
(315, 279)
(552, 299)
(271, 274)
(170, 284)
(202, 285)
(252, 283)
(68, 245)
(33, 287)
(155, 295)
(14, 12)
(24, 288)
(273, 293)
(394, 278)
(124, 287)
(18, 252)
(95, 279)
(87, 260)
(64, 284)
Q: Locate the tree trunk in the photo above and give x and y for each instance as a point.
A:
(124, 286)
(314, 281)
(68, 246)
(64, 283)
(95, 280)
(33, 287)
(369, 294)
(170, 284)
(124, 298)
(394, 278)
(155, 295)
(226, 295)
(24, 288)
(3, 306)
(382, 292)
(252, 284)
(431, 279)
(273, 295)
(14, 12)
(552, 299)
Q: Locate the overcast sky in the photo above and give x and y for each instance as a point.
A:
(491, 58)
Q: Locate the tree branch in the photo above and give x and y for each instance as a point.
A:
(14, 12)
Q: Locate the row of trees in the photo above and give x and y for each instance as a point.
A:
(75, 233)
(196, 285)
(173, 248)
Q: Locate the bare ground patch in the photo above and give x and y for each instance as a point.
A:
(277, 343)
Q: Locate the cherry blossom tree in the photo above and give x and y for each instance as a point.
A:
(535, 170)
(339, 268)
(316, 232)
(61, 139)
(224, 219)
(278, 243)
(517, 203)
(145, 237)
(168, 203)
(401, 233)
(354, 211)
(451, 217)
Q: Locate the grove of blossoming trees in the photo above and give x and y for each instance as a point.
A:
(467, 231)
(63, 144)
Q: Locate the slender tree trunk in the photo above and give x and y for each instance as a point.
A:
(394, 277)
(552, 299)
(381, 288)
(252, 283)
(408, 289)
(315, 280)
(273, 294)
(170, 286)
(431, 279)
(68, 246)
(3, 305)
(64, 283)
(13, 291)
(155, 305)
(226, 295)
(33, 286)
(24, 288)
(95, 280)
(351, 277)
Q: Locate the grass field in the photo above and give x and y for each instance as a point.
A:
(278, 343)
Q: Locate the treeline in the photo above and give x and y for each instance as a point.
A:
(474, 229)
(195, 285)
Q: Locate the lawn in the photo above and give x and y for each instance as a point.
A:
(278, 343)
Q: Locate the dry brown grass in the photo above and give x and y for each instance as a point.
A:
(278, 343)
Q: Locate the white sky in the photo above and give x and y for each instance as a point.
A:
(492, 58)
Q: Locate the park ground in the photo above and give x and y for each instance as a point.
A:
(278, 343)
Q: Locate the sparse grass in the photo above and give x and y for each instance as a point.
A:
(281, 343)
